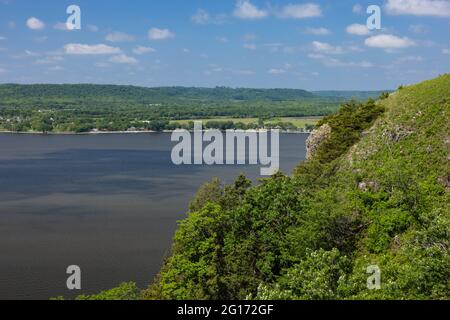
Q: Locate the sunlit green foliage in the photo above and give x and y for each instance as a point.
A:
(126, 291)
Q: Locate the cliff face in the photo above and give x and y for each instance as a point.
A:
(317, 137)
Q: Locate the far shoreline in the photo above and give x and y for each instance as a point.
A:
(125, 132)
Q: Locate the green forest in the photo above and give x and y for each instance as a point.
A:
(374, 192)
(85, 107)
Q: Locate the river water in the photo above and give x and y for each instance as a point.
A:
(107, 203)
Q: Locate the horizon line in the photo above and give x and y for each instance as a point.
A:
(192, 87)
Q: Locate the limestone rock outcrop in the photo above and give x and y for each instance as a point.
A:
(317, 137)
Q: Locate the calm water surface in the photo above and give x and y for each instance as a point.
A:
(108, 203)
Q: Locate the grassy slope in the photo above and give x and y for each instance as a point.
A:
(394, 184)
(404, 163)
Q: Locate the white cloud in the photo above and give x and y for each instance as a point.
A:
(246, 10)
(35, 24)
(201, 17)
(119, 37)
(389, 42)
(160, 34)
(143, 50)
(358, 29)
(300, 11)
(85, 49)
(249, 46)
(276, 71)
(437, 8)
(123, 59)
(323, 51)
(3, 38)
(3, 70)
(317, 31)
(322, 47)
(445, 51)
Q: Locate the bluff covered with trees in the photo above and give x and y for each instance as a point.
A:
(376, 192)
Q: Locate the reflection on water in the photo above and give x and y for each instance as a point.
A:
(108, 203)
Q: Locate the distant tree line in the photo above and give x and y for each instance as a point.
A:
(82, 108)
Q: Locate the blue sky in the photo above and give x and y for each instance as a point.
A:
(314, 45)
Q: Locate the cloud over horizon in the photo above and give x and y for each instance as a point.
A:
(35, 24)
(437, 8)
(160, 34)
(85, 49)
(123, 59)
(388, 41)
(300, 11)
(358, 29)
(246, 10)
